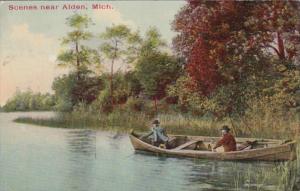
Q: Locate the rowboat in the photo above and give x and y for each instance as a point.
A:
(200, 147)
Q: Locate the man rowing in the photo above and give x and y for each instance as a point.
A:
(158, 134)
(227, 141)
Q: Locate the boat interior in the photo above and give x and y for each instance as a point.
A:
(202, 143)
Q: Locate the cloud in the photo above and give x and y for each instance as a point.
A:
(28, 61)
(25, 39)
(112, 16)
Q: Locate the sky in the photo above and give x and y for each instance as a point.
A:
(30, 39)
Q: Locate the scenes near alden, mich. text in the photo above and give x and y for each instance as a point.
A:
(52, 7)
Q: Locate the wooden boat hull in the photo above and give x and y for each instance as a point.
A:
(281, 152)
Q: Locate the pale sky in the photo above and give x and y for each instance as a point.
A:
(30, 39)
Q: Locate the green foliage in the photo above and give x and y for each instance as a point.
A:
(78, 57)
(78, 21)
(70, 91)
(152, 42)
(135, 104)
(29, 101)
(186, 97)
(155, 71)
(125, 85)
(79, 24)
(154, 68)
(104, 101)
(115, 43)
(133, 83)
(63, 87)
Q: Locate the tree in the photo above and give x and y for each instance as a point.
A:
(152, 42)
(155, 71)
(78, 56)
(134, 84)
(63, 86)
(231, 47)
(29, 101)
(114, 48)
(69, 91)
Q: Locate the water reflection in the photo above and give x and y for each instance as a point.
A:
(81, 148)
(114, 140)
(207, 175)
(82, 142)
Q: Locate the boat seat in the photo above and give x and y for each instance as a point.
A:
(187, 144)
(171, 139)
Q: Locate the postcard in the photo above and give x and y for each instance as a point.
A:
(149, 95)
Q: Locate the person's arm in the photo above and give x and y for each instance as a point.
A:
(164, 132)
(147, 135)
(219, 143)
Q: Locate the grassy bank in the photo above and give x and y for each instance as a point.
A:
(116, 121)
(266, 126)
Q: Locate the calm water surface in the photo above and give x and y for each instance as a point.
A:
(34, 158)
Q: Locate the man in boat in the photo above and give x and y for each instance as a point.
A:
(227, 141)
(158, 134)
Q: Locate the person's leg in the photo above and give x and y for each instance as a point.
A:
(167, 145)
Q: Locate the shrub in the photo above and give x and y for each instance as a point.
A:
(135, 104)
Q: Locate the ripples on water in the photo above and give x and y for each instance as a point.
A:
(47, 159)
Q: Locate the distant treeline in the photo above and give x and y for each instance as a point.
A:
(29, 101)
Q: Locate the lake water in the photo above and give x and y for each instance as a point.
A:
(34, 158)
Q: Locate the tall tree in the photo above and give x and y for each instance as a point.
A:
(152, 42)
(77, 56)
(155, 68)
(114, 48)
(277, 23)
(156, 71)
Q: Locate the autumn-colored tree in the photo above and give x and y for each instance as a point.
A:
(230, 44)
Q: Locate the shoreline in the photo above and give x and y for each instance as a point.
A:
(141, 122)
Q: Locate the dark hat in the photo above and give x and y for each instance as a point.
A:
(226, 128)
(155, 122)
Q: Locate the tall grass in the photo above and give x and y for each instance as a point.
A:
(284, 176)
(116, 121)
(281, 177)
(265, 124)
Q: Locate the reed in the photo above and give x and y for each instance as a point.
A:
(254, 125)
(276, 177)
(280, 177)
(116, 121)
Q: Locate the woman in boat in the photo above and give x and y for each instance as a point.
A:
(158, 134)
(227, 141)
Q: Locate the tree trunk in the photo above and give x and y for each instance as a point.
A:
(77, 60)
(280, 46)
(112, 74)
(111, 82)
(155, 104)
